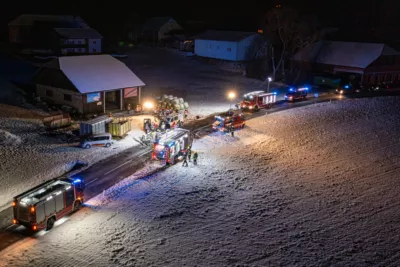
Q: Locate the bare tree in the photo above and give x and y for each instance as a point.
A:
(288, 32)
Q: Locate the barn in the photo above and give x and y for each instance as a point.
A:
(90, 84)
(226, 45)
(370, 63)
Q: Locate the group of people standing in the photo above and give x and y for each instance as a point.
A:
(188, 155)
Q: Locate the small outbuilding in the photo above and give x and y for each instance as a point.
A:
(90, 84)
(226, 45)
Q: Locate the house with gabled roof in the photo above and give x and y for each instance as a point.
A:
(373, 62)
(90, 84)
(30, 29)
(159, 28)
(77, 41)
(226, 45)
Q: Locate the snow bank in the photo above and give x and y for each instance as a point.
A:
(313, 186)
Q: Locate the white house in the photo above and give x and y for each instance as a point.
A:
(226, 45)
(91, 83)
(158, 28)
(77, 41)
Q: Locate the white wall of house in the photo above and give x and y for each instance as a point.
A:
(216, 49)
(74, 41)
(73, 50)
(60, 96)
(171, 25)
(244, 46)
(94, 45)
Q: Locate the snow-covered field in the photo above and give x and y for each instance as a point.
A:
(29, 158)
(204, 86)
(164, 71)
(313, 186)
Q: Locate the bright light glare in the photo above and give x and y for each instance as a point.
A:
(148, 105)
(269, 79)
(231, 95)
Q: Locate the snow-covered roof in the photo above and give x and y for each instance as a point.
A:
(350, 54)
(96, 73)
(30, 19)
(230, 36)
(78, 33)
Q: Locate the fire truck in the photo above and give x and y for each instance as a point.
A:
(40, 207)
(296, 93)
(224, 122)
(172, 145)
(257, 99)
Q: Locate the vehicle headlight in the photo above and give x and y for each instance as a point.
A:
(341, 91)
(250, 107)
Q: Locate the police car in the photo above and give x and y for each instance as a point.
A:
(296, 93)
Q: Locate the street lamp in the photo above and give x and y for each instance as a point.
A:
(231, 96)
(269, 80)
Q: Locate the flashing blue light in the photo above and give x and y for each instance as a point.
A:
(77, 181)
(291, 89)
(346, 87)
(275, 93)
(305, 88)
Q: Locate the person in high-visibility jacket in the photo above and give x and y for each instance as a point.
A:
(195, 156)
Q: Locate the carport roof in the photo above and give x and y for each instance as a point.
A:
(349, 54)
(96, 73)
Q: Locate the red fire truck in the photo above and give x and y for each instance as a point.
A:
(257, 99)
(224, 122)
(40, 207)
(171, 145)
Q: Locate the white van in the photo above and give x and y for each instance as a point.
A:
(104, 139)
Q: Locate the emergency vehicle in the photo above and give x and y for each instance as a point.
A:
(224, 123)
(172, 145)
(296, 94)
(40, 207)
(257, 99)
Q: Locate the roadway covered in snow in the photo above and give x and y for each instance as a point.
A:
(316, 185)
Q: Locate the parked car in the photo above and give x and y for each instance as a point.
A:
(104, 139)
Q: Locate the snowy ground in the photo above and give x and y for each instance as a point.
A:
(29, 158)
(313, 186)
(204, 86)
(164, 71)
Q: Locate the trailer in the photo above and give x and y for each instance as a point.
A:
(257, 99)
(57, 121)
(171, 146)
(95, 126)
(40, 207)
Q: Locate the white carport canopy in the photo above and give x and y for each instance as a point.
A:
(98, 73)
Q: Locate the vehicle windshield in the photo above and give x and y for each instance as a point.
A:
(248, 98)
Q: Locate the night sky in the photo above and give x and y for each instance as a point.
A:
(240, 15)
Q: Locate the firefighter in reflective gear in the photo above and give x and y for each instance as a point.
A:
(189, 153)
(195, 156)
(185, 163)
(232, 128)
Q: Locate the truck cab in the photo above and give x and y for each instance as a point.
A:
(256, 100)
(40, 207)
(171, 146)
